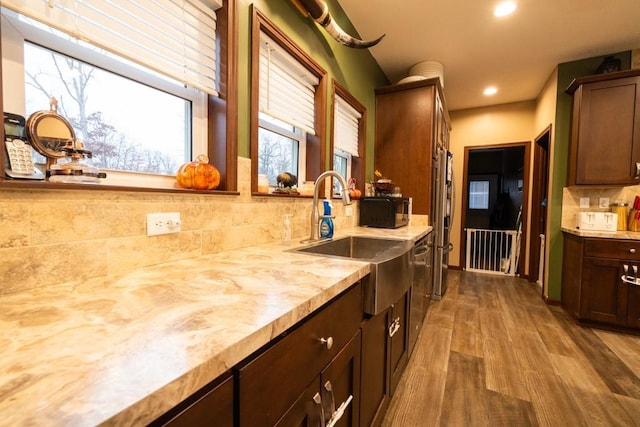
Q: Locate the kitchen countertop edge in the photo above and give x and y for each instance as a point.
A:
(622, 235)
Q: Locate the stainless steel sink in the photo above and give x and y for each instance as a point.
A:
(391, 266)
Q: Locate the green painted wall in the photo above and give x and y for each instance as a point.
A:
(355, 69)
(566, 73)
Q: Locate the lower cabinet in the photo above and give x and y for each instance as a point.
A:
(309, 373)
(374, 391)
(399, 340)
(598, 284)
(385, 353)
(334, 396)
(633, 307)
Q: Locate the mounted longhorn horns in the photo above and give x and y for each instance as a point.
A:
(319, 12)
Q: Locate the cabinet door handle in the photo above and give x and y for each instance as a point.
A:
(630, 280)
(394, 326)
(327, 341)
(637, 170)
(318, 400)
(329, 388)
(632, 250)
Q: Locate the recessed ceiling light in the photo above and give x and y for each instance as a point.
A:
(491, 90)
(504, 9)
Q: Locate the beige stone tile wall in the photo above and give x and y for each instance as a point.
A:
(53, 236)
(571, 200)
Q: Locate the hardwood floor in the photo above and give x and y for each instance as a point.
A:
(491, 353)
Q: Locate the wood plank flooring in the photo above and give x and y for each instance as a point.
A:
(491, 353)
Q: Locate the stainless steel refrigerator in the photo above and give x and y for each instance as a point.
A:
(443, 211)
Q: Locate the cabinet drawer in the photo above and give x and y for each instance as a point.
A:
(614, 249)
(271, 382)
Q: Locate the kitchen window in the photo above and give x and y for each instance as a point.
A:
(136, 86)
(348, 136)
(287, 106)
(282, 148)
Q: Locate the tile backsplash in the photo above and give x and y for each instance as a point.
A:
(53, 236)
(571, 200)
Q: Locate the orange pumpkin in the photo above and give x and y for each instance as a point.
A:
(355, 194)
(199, 174)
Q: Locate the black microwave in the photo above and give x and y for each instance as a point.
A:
(384, 212)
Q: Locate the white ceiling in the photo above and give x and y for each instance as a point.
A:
(517, 53)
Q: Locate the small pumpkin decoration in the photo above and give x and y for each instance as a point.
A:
(198, 174)
(354, 193)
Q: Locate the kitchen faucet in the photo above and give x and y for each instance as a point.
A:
(315, 214)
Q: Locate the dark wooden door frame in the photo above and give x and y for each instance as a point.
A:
(525, 199)
(540, 191)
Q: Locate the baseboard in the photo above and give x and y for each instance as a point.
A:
(550, 301)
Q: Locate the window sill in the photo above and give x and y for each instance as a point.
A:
(285, 195)
(39, 185)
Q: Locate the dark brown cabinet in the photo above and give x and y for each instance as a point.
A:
(308, 371)
(593, 285)
(374, 390)
(411, 120)
(385, 353)
(605, 129)
(213, 405)
(399, 340)
(338, 384)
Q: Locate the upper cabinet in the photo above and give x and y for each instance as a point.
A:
(411, 121)
(605, 129)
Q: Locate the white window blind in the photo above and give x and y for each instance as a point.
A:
(287, 89)
(345, 126)
(176, 38)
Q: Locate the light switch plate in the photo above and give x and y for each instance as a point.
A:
(584, 203)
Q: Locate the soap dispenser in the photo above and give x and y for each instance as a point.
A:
(326, 224)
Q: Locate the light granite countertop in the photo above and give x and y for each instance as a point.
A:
(624, 235)
(124, 349)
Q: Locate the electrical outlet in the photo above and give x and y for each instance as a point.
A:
(348, 211)
(584, 203)
(163, 223)
(603, 202)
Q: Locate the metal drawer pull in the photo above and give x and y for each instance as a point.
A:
(632, 250)
(328, 342)
(394, 326)
(336, 414)
(637, 170)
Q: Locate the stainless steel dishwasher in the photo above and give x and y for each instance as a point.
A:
(421, 287)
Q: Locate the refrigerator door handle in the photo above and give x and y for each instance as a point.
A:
(453, 196)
